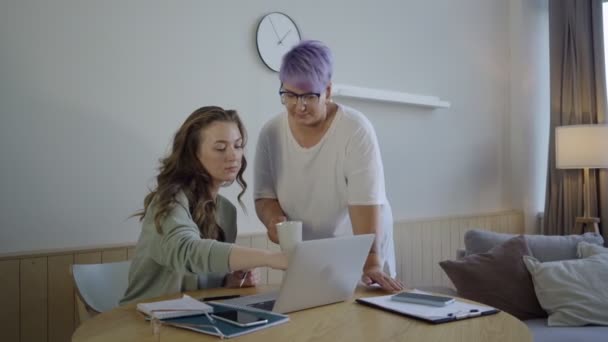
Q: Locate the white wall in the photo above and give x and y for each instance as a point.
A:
(91, 92)
(530, 112)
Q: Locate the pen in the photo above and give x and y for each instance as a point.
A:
(219, 298)
(243, 279)
(462, 315)
(210, 318)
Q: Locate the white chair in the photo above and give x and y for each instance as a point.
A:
(99, 286)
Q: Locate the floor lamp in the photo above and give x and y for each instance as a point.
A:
(582, 147)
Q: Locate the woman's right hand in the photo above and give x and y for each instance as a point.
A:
(272, 228)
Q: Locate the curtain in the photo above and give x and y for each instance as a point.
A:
(578, 96)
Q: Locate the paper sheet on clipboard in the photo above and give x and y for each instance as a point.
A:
(454, 311)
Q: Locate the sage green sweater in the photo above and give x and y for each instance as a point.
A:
(179, 260)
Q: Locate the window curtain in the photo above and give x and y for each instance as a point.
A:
(578, 96)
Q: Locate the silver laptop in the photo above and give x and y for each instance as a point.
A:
(320, 272)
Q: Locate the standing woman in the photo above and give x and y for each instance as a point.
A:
(188, 229)
(319, 162)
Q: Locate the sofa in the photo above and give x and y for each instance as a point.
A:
(541, 250)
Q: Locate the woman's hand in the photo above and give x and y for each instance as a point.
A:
(272, 228)
(246, 278)
(375, 275)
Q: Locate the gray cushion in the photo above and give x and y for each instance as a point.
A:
(543, 247)
(573, 292)
(541, 332)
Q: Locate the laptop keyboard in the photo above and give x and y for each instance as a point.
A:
(267, 305)
(263, 301)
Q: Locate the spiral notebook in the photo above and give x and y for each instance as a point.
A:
(185, 306)
(455, 311)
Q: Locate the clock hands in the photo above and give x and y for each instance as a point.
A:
(274, 29)
(284, 36)
(284, 30)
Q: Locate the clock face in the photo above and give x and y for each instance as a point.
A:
(276, 35)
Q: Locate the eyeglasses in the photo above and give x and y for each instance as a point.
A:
(291, 99)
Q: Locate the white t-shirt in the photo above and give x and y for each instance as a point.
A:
(316, 185)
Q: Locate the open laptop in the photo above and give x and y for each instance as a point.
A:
(320, 272)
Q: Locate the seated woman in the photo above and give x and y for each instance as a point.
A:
(188, 229)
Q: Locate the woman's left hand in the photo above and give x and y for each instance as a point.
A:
(235, 279)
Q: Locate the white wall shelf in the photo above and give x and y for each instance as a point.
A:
(343, 90)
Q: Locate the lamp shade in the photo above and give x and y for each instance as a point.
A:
(581, 146)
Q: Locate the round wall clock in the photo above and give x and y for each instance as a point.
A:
(276, 35)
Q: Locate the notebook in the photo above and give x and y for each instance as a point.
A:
(455, 311)
(320, 272)
(185, 306)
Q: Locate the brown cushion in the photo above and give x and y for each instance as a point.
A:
(498, 278)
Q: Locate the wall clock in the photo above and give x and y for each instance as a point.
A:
(277, 33)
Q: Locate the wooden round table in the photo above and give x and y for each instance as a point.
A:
(346, 321)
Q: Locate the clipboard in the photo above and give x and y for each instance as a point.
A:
(458, 310)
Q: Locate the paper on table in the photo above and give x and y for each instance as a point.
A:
(185, 306)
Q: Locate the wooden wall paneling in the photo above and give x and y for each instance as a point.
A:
(486, 222)
(499, 228)
(244, 241)
(83, 258)
(502, 223)
(34, 299)
(494, 222)
(407, 244)
(114, 255)
(521, 229)
(455, 243)
(399, 250)
(416, 235)
(447, 253)
(87, 258)
(478, 223)
(60, 298)
(130, 253)
(505, 223)
(436, 233)
(10, 317)
(427, 253)
(512, 223)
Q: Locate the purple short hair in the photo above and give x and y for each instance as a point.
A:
(307, 66)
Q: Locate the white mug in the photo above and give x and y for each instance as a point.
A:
(290, 234)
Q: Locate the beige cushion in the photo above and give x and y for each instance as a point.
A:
(585, 250)
(573, 292)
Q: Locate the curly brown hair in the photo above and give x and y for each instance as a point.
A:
(182, 170)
